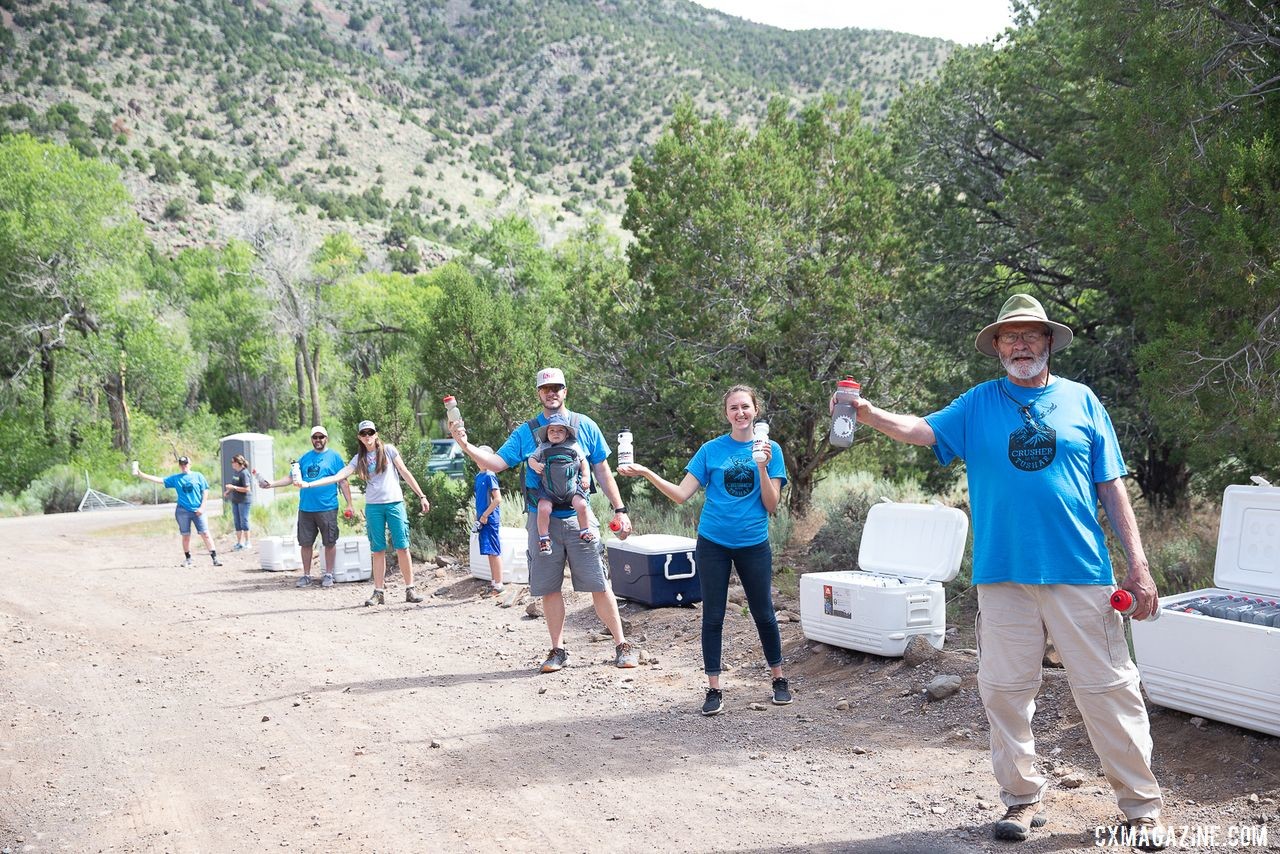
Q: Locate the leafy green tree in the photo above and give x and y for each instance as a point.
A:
(761, 258)
(69, 245)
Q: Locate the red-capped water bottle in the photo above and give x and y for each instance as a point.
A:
(1124, 602)
(451, 411)
(844, 416)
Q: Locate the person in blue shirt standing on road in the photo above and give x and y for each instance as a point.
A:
(733, 532)
(191, 487)
(489, 522)
(318, 507)
(586, 565)
(1041, 453)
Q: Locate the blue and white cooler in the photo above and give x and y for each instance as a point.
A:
(657, 570)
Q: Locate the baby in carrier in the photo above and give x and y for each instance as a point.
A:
(563, 478)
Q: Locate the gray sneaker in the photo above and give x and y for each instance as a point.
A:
(555, 660)
(411, 595)
(781, 692)
(304, 581)
(377, 597)
(327, 581)
(625, 655)
(187, 563)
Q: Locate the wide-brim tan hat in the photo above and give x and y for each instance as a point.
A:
(1022, 308)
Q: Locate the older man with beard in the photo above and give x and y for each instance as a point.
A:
(1041, 452)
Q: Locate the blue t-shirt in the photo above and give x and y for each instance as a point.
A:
(486, 482)
(733, 514)
(315, 465)
(1034, 459)
(190, 486)
(520, 445)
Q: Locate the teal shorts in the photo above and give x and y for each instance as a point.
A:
(381, 517)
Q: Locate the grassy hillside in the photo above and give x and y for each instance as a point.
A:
(404, 117)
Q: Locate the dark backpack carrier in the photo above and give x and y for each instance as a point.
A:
(560, 475)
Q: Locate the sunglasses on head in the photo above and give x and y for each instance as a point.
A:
(368, 432)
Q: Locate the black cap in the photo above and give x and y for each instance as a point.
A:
(184, 461)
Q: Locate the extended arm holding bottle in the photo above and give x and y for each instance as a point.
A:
(488, 460)
(339, 477)
(911, 429)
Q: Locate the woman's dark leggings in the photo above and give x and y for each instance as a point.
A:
(755, 571)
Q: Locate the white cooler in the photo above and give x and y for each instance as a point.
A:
(515, 556)
(906, 553)
(351, 560)
(1220, 668)
(279, 554)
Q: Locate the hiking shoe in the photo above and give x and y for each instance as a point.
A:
(237, 547)
(1148, 833)
(377, 597)
(544, 545)
(714, 703)
(304, 581)
(187, 563)
(327, 580)
(411, 595)
(1018, 821)
(216, 562)
(625, 655)
(495, 589)
(781, 693)
(555, 659)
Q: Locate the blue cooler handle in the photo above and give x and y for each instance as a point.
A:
(666, 568)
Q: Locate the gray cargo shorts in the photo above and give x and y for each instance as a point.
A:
(586, 561)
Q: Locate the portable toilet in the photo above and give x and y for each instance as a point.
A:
(258, 449)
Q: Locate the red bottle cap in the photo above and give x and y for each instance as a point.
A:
(448, 399)
(1122, 600)
(848, 383)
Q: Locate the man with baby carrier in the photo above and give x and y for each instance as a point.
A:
(566, 540)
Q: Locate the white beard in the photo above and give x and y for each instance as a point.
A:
(1025, 370)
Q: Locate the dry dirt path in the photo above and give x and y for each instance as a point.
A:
(144, 707)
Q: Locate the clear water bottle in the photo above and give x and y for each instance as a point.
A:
(761, 435)
(1124, 602)
(134, 466)
(295, 471)
(844, 416)
(451, 411)
(626, 452)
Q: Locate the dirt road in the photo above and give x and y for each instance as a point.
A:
(144, 707)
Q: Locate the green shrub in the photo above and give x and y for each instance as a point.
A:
(57, 490)
(448, 525)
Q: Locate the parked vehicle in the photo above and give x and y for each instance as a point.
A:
(446, 457)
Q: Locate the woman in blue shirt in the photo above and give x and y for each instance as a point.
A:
(733, 533)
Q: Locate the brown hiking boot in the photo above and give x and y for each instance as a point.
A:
(1018, 821)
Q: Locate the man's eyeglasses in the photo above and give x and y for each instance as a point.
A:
(552, 388)
(1035, 336)
(318, 438)
(368, 432)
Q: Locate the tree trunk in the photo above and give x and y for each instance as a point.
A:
(313, 382)
(299, 351)
(48, 382)
(1163, 477)
(118, 406)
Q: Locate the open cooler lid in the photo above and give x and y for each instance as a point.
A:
(653, 544)
(924, 541)
(1249, 540)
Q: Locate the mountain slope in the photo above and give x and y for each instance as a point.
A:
(408, 116)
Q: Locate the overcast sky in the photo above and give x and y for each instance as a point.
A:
(964, 21)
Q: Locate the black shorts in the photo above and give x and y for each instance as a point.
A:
(322, 522)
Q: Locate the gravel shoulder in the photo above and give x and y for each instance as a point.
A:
(144, 707)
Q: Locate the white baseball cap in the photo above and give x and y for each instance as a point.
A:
(550, 376)
(318, 429)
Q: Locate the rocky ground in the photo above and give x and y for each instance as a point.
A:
(144, 707)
